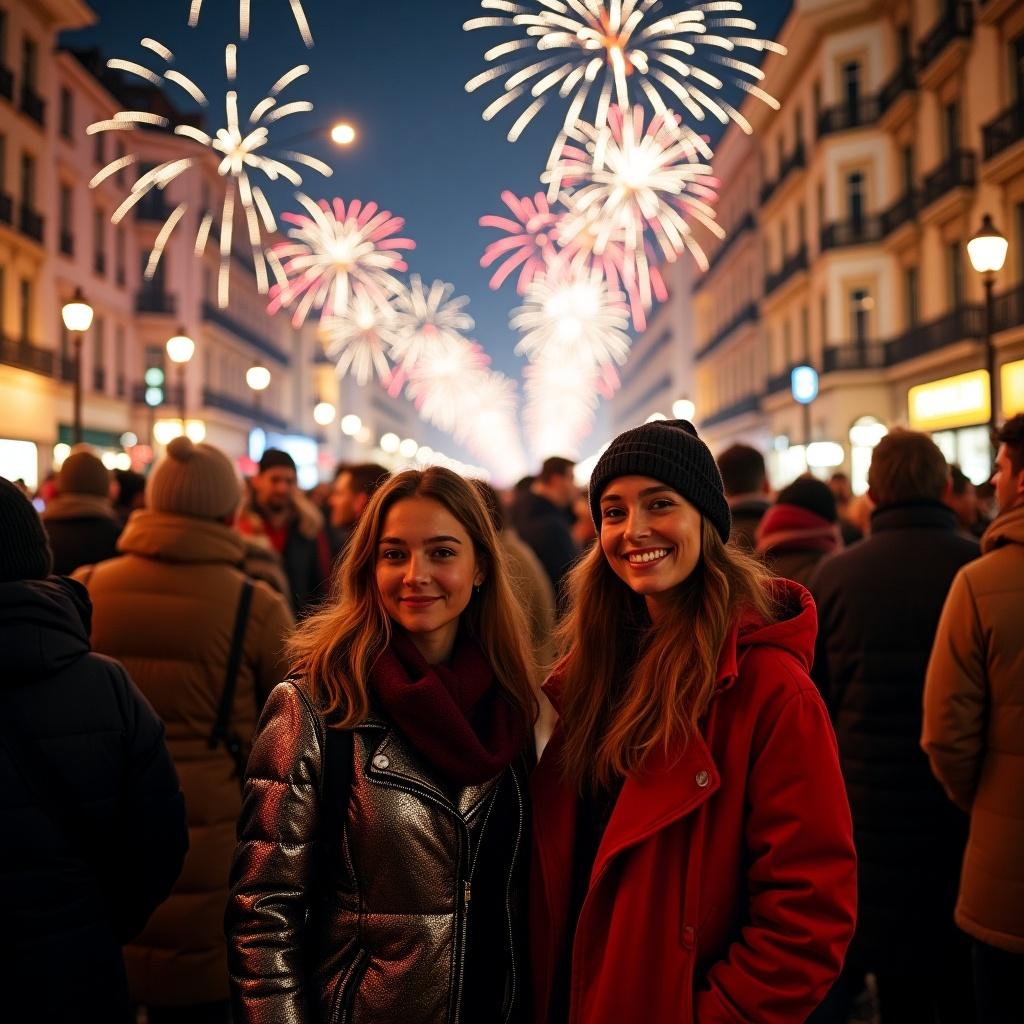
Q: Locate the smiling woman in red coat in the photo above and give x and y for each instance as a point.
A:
(693, 853)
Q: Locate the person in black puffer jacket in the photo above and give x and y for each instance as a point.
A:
(94, 820)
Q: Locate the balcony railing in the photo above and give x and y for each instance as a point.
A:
(32, 104)
(845, 116)
(151, 301)
(247, 410)
(955, 23)
(752, 403)
(748, 314)
(67, 243)
(30, 223)
(956, 172)
(903, 80)
(858, 231)
(963, 322)
(6, 208)
(1004, 131)
(779, 382)
(793, 265)
(26, 356)
(6, 82)
(222, 319)
(854, 355)
(904, 209)
(745, 224)
(795, 159)
(1008, 309)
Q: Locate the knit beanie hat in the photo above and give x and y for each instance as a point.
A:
(24, 549)
(83, 473)
(194, 480)
(808, 493)
(672, 452)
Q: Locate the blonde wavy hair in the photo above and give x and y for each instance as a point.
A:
(630, 685)
(335, 649)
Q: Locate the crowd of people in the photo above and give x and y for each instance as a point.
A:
(673, 747)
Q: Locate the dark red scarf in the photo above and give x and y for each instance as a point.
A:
(795, 528)
(455, 715)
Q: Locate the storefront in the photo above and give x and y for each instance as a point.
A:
(955, 412)
(1011, 385)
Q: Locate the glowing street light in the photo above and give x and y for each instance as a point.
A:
(77, 316)
(324, 413)
(987, 252)
(351, 424)
(258, 378)
(180, 350)
(684, 409)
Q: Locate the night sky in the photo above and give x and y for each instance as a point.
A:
(397, 71)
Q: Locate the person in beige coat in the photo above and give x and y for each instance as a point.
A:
(167, 608)
(974, 736)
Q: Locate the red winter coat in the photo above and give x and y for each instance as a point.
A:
(724, 888)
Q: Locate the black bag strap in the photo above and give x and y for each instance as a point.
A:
(221, 731)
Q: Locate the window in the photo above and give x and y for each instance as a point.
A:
(99, 151)
(1017, 68)
(25, 309)
(119, 358)
(67, 245)
(816, 101)
(820, 200)
(855, 197)
(28, 181)
(99, 356)
(950, 128)
(99, 238)
(861, 305)
(156, 284)
(805, 334)
(823, 319)
(851, 85)
(911, 296)
(787, 346)
(29, 64)
(798, 128)
(955, 270)
(120, 264)
(66, 113)
(119, 153)
(907, 168)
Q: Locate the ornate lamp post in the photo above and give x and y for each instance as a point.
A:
(180, 350)
(77, 316)
(258, 379)
(987, 252)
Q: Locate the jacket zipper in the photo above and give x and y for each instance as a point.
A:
(508, 899)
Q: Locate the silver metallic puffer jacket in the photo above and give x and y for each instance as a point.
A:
(370, 924)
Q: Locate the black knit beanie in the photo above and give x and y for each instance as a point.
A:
(669, 451)
(24, 549)
(809, 493)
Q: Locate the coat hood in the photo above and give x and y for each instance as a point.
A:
(172, 538)
(1007, 528)
(78, 506)
(44, 627)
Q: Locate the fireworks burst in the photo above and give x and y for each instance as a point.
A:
(429, 323)
(561, 399)
(335, 250)
(360, 337)
(240, 152)
(243, 18)
(530, 241)
(624, 50)
(439, 385)
(573, 319)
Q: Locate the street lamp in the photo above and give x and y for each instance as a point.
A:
(258, 379)
(987, 252)
(803, 385)
(180, 350)
(77, 316)
(324, 413)
(684, 409)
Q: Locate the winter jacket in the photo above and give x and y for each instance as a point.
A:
(305, 556)
(724, 885)
(82, 528)
(166, 608)
(747, 513)
(80, 873)
(405, 902)
(974, 729)
(544, 528)
(878, 605)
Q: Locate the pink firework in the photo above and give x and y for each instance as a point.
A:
(530, 242)
(335, 249)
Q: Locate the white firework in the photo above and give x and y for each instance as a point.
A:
(662, 54)
(334, 249)
(573, 319)
(243, 18)
(439, 385)
(241, 148)
(561, 401)
(429, 323)
(360, 338)
(630, 180)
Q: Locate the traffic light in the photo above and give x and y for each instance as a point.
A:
(154, 378)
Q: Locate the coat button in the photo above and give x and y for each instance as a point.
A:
(702, 778)
(380, 761)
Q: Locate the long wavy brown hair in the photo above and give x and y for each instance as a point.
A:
(335, 649)
(630, 685)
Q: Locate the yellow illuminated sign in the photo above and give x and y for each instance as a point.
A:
(960, 401)
(1011, 382)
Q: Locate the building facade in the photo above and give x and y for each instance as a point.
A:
(847, 215)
